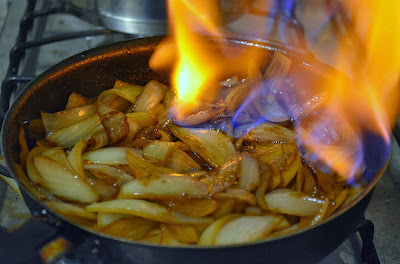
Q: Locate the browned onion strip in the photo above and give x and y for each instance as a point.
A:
(62, 119)
(249, 172)
(143, 168)
(69, 136)
(146, 210)
(211, 145)
(152, 94)
(164, 187)
(262, 188)
(289, 202)
(237, 194)
(63, 183)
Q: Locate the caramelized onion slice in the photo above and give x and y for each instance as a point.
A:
(70, 209)
(143, 119)
(142, 167)
(104, 219)
(130, 228)
(209, 235)
(123, 89)
(158, 151)
(211, 145)
(180, 161)
(184, 233)
(116, 125)
(146, 210)
(269, 132)
(97, 138)
(290, 202)
(237, 96)
(58, 155)
(76, 100)
(164, 187)
(237, 194)
(120, 176)
(33, 174)
(56, 121)
(246, 228)
(192, 207)
(249, 172)
(69, 136)
(152, 94)
(63, 183)
(75, 157)
(109, 156)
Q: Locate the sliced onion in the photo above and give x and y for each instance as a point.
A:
(70, 209)
(182, 162)
(158, 151)
(32, 172)
(183, 233)
(205, 113)
(237, 194)
(142, 167)
(57, 154)
(63, 183)
(66, 118)
(123, 89)
(75, 157)
(146, 210)
(97, 138)
(116, 125)
(237, 96)
(129, 228)
(76, 100)
(209, 235)
(246, 228)
(249, 172)
(164, 187)
(152, 94)
(271, 133)
(143, 119)
(192, 207)
(104, 219)
(120, 176)
(69, 136)
(109, 156)
(291, 202)
(211, 145)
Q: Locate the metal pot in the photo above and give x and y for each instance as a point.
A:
(95, 70)
(143, 17)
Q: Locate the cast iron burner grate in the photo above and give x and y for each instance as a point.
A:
(92, 251)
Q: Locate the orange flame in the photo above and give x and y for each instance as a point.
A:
(197, 63)
(370, 102)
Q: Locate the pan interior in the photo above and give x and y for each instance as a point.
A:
(95, 70)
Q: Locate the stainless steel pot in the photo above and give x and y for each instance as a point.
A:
(143, 17)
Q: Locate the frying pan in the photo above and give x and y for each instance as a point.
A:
(93, 71)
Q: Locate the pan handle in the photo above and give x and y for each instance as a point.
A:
(23, 245)
(46, 238)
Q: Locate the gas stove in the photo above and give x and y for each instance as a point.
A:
(48, 33)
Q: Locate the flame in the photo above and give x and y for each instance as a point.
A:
(333, 133)
(197, 65)
(370, 102)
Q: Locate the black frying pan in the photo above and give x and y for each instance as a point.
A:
(95, 70)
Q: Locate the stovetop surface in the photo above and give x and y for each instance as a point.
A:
(384, 209)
